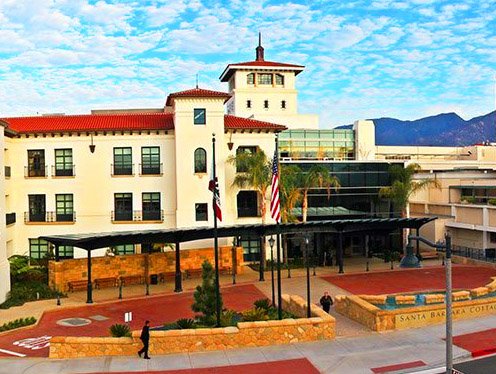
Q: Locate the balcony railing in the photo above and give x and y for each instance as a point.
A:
(7, 171)
(10, 218)
(137, 215)
(248, 212)
(487, 255)
(53, 217)
(150, 169)
(122, 169)
(36, 172)
(64, 171)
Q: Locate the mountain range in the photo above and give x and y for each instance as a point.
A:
(447, 129)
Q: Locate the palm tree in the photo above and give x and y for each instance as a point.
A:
(402, 188)
(254, 169)
(317, 176)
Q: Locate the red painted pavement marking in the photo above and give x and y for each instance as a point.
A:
(396, 367)
(158, 309)
(479, 343)
(296, 366)
(409, 280)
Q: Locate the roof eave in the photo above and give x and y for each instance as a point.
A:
(229, 70)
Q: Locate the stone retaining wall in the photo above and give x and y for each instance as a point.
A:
(64, 271)
(320, 326)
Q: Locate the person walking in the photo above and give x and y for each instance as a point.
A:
(326, 302)
(145, 338)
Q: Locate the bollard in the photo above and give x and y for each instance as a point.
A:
(120, 290)
(289, 270)
(392, 267)
(58, 298)
(442, 262)
(367, 266)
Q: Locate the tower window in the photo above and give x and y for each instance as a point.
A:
(283, 104)
(200, 160)
(199, 115)
(264, 78)
(250, 78)
(266, 104)
(279, 79)
(248, 104)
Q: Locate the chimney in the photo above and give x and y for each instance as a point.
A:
(259, 49)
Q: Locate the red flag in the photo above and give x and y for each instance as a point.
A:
(275, 205)
(213, 185)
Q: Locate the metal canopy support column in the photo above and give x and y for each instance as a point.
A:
(57, 255)
(340, 253)
(89, 288)
(179, 279)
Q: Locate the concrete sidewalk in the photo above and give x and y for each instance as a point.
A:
(345, 355)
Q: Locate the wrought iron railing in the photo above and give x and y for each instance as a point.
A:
(488, 254)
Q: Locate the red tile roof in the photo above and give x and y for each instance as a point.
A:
(118, 122)
(196, 92)
(233, 122)
(91, 122)
(229, 70)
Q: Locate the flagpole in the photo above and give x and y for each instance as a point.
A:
(216, 240)
(278, 237)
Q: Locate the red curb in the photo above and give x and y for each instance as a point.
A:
(396, 367)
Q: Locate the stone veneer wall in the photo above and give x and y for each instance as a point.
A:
(377, 319)
(247, 334)
(64, 271)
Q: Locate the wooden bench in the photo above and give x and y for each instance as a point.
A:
(429, 255)
(167, 276)
(131, 279)
(105, 282)
(225, 270)
(77, 285)
(190, 273)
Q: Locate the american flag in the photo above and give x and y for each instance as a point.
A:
(275, 205)
(213, 185)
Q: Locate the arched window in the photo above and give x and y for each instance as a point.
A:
(200, 160)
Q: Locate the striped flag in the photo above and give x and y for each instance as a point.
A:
(213, 185)
(275, 205)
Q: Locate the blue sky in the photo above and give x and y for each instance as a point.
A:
(364, 59)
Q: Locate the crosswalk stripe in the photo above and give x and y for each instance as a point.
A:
(12, 353)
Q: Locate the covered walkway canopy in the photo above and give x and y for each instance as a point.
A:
(93, 241)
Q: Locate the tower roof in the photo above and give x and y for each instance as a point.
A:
(196, 92)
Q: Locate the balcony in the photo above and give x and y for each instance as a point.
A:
(63, 170)
(36, 171)
(7, 171)
(10, 218)
(137, 216)
(248, 212)
(150, 169)
(122, 169)
(49, 217)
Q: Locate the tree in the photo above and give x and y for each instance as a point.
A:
(205, 296)
(254, 169)
(403, 187)
(317, 176)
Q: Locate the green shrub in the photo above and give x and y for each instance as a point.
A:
(119, 330)
(28, 291)
(256, 314)
(230, 317)
(185, 323)
(469, 199)
(491, 201)
(18, 323)
(205, 297)
(170, 326)
(264, 304)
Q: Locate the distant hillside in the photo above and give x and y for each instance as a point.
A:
(447, 129)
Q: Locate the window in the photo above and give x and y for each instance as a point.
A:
(63, 162)
(283, 104)
(123, 203)
(37, 211)
(492, 237)
(279, 79)
(200, 116)
(248, 104)
(38, 248)
(200, 160)
(151, 206)
(123, 161)
(250, 78)
(247, 204)
(201, 210)
(242, 162)
(266, 104)
(251, 248)
(64, 208)
(66, 251)
(36, 163)
(150, 160)
(264, 78)
(124, 249)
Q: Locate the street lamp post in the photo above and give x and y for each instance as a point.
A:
(308, 275)
(271, 243)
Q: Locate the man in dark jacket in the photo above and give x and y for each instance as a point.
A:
(145, 338)
(326, 302)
